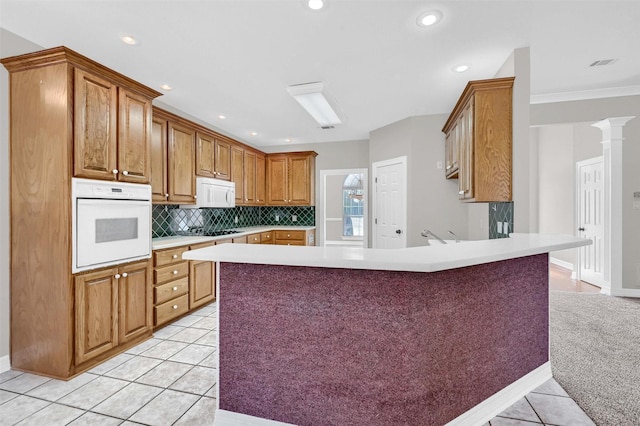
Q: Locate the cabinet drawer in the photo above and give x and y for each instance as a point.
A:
(169, 256)
(171, 309)
(290, 242)
(240, 240)
(171, 272)
(266, 237)
(170, 290)
(290, 235)
(254, 239)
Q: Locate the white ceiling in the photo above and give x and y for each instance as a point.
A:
(236, 57)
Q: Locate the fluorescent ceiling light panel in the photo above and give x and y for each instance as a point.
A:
(312, 99)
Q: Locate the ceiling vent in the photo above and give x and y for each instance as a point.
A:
(602, 62)
(327, 127)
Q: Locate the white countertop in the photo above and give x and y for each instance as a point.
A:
(180, 240)
(418, 259)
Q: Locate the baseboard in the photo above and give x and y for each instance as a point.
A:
(478, 415)
(5, 364)
(497, 403)
(562, 263)
(229, 418)
(624, 292)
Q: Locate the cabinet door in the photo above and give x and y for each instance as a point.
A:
(134, 137)
(277, 182)
(181, 156)
(451, 148)
(95, 114)
(96, 308)
(159, 183)
(300, 180)
(222, 159)
(467, 123)
(249, 178)
(205, 146)
(237, 172)
(261, 180)
(202, 283)
(135, 314)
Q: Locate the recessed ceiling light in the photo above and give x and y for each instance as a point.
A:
(428, 18)
(254, 133)
(222, 117)
(165, 87)
(315, 4)
(461, 68)
(287, 140)
(128, 40)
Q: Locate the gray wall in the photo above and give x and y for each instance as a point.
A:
(432, 200)
(10, 45)
(592, 111)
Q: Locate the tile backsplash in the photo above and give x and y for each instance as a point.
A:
(168, 220)
(500, 220)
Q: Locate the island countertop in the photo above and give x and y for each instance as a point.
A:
(416, 259)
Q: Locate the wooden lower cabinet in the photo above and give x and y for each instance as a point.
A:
(295, 237)
(112, 307)
(181, 285)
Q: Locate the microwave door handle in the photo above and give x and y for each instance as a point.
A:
(227, 197)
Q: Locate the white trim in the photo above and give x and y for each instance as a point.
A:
(624, 292)
(611, 92)
(503, 399)
(562, 263)
(374, 175)
(229, 418)
(321, 212)
(5, 364)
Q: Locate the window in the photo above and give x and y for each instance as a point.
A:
(352, 206)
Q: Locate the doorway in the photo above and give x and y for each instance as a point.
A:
(343, 214)
(390, 203)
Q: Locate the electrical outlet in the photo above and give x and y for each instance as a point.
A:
(505, 228)
(277, 218)
(236, 219)
(294, 218)
(499, 225)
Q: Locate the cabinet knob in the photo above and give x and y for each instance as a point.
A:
(175, 288)
(288, 235)
(166, 195)
(114, 171)
(124, 275)
(175, 306)
(461, 192)
(175, 256)
(195, 196)
(126, 173)
(116, 276)
(175, 272)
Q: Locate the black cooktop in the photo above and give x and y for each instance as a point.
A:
(221, 232)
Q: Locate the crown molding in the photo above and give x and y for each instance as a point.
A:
(611, 92)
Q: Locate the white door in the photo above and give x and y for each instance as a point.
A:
(590, 213)
(390, 203)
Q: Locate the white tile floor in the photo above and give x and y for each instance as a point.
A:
(170, 380)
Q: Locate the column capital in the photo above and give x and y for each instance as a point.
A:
(612, 127)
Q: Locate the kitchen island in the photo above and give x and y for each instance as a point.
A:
(417, 336)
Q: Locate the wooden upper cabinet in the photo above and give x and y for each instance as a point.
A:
(261, 180)
(291, 178)
(159, 149)
(134, 137)
(249, 177)
(181, 163)
(481, 124)
(101, 150)
(222, 159)
(237, 172)
(95, 116)
(205, 148)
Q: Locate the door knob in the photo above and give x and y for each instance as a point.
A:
(581, 229)
(398, 231)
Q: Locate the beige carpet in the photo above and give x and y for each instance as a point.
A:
(595, 354)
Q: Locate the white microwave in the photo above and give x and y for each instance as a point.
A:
(213, 193)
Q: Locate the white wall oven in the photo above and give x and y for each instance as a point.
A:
(111, 223)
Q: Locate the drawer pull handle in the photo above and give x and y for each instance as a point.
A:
(124, 275)
(175, 272)
(175, 288)
(175, 306)
(175, 256)
(117, 276)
